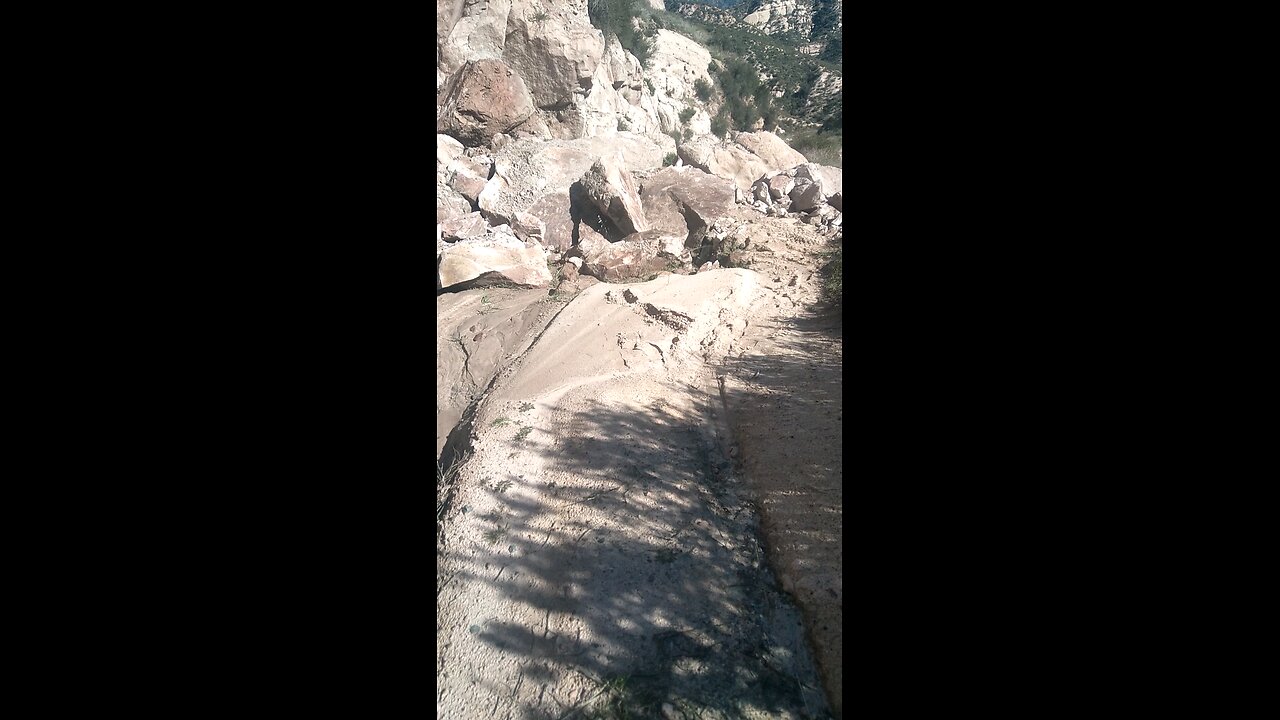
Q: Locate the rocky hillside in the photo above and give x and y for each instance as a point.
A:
(814, 27)
(552, 139)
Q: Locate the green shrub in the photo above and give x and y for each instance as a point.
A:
(686, 115)
(613, 18)
(669, 159)
(833, 277)
(688, 134)
(719, 124)
(702, 88)
(770, 115)
(821, 147)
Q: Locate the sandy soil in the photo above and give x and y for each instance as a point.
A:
(600, 552)
(783, 393)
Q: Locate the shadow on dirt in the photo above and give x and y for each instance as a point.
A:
(687, 616)
(785, 404)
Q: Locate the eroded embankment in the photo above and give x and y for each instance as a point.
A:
(599, 553)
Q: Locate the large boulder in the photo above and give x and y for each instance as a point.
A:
(553, 211)
(636, 256)
(815, 185)
(728, 161)
(612, 190)
(554, 48)
(463, 227)
(497, 256)
(806, 195)
(770, 148)
(482, 99)
(589, 243)
(528, 227)
(682, 201)
(830, 178)
(781, 184)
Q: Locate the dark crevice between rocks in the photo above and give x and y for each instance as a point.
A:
(582, 210)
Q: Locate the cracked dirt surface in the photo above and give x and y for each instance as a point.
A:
(600, 553)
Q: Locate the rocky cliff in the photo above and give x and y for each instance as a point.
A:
(548, 139)
(575, 84)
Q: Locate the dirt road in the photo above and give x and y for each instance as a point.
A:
(601, 554)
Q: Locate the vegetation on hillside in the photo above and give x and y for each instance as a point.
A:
(784, 98)
(614, 19)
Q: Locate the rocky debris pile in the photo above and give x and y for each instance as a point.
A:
(636, 257)
(464, 172)
(535, 176)
(810, 192)
(741, 160)
(573, 83)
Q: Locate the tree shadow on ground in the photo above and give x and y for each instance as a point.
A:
(678, 609)
(784, 398)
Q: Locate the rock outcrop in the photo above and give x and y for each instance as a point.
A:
(780, 16)
(555, 50)
(579, 84)
(479, 33)
(675, 66)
